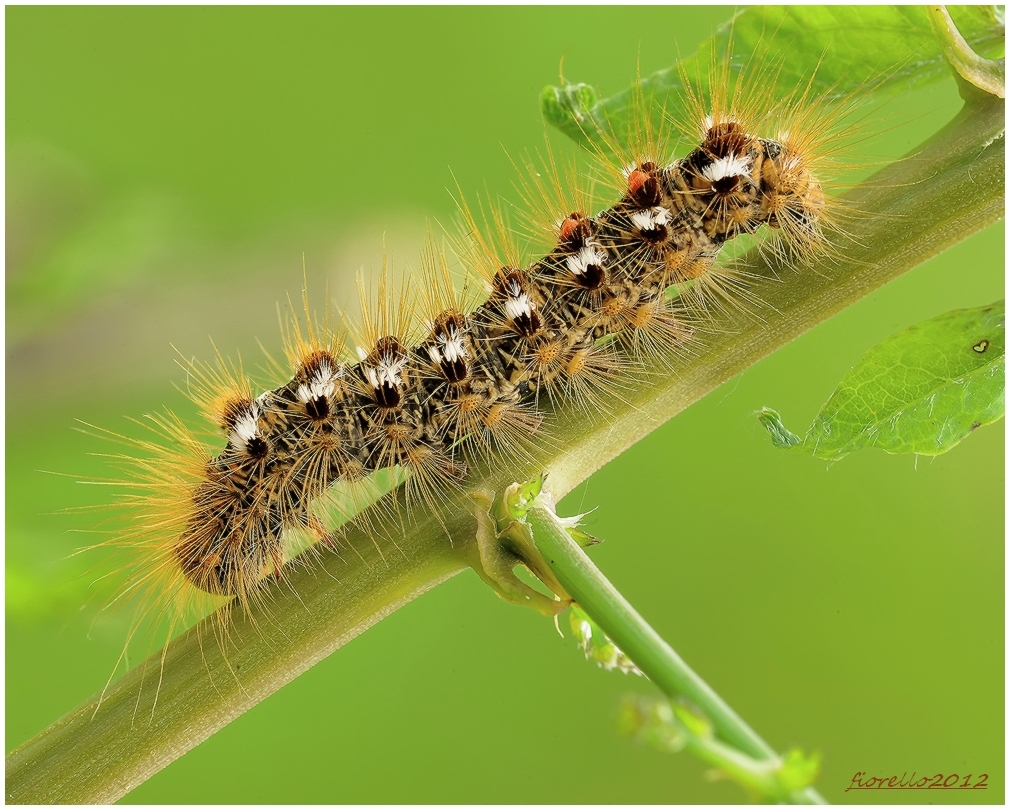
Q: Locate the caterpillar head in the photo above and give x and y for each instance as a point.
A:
(230, 553)
(792, 198)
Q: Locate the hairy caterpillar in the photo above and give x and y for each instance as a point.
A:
(473, 381)
(267, 329)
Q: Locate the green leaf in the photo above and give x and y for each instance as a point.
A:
(568, 102)
(781, 435)
(875, 51)
(920, 391)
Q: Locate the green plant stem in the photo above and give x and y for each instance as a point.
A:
(672, 727)
(97, 754)
(757, 776)
(621, 622)
(910, 211)
(606, 606)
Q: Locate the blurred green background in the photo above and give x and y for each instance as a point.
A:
(169, 171)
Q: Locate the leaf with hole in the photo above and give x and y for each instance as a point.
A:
(920, 391)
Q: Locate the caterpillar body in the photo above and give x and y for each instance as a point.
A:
(474, 381)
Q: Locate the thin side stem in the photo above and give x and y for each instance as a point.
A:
(606, 606)
(989, 75)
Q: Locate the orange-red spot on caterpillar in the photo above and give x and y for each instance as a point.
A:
(636, 180)
(574, 230)
(643, 185)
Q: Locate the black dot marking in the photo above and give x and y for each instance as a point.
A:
(648, 194)
(256, 447)
(509, 283)
(724, 185)
(592, 278)
(455, 371)
(655, 235)
(449, 329)
(317, 408)
(527, 325)
(387, 396)
(981, 346)
(389, 353)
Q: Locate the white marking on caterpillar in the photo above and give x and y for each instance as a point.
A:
(321, 384)
(730, 166)
(651, 218)
(386, 372)
(452, 347)
(478, 410)
(587, 256)
(246, 427)
(517, 304)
